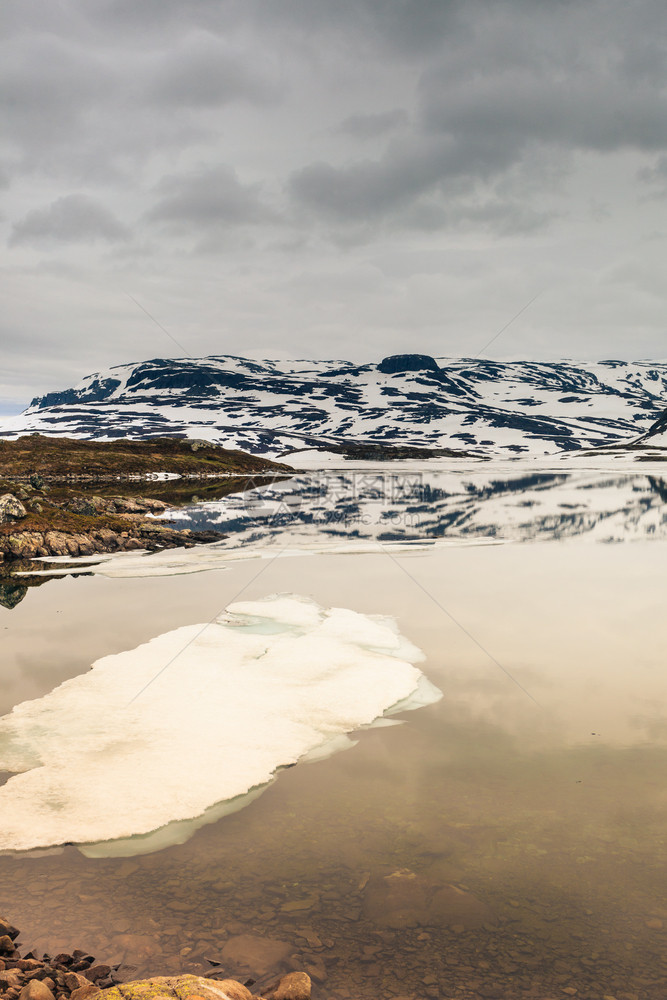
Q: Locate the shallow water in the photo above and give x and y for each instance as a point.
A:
(537, 784)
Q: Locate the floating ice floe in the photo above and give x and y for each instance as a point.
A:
(176, 732)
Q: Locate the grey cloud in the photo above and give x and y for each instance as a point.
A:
(48, 86)
(207, 198)
(204, 72)
(512, 86)
(371, 126)
(409, 27)
(74, 218)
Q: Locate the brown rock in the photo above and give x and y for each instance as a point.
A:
(56, 543)
(22, 544)
(234, 990)
(9, 979)
(85, 992)
(179, 987)
(404, 899)
(36, 990)
(8, 929)
(6, 945)
(257, 955)
(98, 972)
(293, 986)
(74, 980)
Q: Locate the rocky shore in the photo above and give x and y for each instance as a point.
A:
(78, 976)
(32, 524)
(69, 497)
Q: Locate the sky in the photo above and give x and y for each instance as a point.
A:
(329, 179)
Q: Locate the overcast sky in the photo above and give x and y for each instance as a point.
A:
(330, 178)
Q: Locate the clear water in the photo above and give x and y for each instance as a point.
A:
(537, 784)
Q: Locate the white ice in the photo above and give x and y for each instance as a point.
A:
(194, 718)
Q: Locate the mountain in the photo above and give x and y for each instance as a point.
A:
(404, 401)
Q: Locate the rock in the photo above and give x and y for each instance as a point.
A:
(35, 990)
(23, 544)
(293, 986)
(98, 972)
(56, 543)
(74, 981)
(9, 979)
(176, 988)
(234, 990)
(85, 992)
(137, 947)
(404, 899)
(36, 481)
(257, 955)
(6, 945)
(11, 509)
(81, 505)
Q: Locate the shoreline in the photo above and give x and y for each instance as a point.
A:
(76, 975)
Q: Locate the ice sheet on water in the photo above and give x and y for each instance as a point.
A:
(194, 718)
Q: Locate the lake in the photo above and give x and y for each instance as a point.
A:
(507, 840)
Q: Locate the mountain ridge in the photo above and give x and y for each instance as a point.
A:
(272, 407)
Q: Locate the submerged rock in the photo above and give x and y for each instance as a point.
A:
(256, 955)
(404, 899)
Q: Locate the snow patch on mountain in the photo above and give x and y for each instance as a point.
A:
(272, 408)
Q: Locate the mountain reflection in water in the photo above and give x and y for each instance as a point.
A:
(348, 511)
(427, 506)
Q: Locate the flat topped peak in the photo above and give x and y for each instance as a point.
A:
(408, 363)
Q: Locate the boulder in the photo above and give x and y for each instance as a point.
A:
(233, 989)
(36, 990)
(175, 988)
(85, 992)
(256, 955)
(404, 899)
(293, 986)
(11, 509)
(83, 506)
(8, 929)
(23, 544)
(56, 543)
(6, 945)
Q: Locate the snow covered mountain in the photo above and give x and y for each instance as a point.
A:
(411, 400)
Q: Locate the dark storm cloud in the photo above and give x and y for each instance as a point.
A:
(205, 198)
(72, 219)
